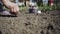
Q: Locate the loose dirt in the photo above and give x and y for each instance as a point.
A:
(25, 23)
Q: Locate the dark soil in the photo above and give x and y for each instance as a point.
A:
(25, 23)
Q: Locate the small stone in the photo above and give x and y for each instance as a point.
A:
(27, 23)
(50, 27)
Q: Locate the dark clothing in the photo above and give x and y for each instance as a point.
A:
(1, 6)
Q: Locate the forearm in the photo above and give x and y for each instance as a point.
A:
(6, 2)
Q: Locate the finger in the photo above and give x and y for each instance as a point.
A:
(17, 9)
(12, 9)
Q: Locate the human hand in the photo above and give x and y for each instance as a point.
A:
(13, 8)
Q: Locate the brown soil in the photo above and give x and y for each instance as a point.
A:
(44, 23)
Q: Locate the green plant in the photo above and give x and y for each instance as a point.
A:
(39, 2)
(23, 8)
(47, 8)
(58, 7)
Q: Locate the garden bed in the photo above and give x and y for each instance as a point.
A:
(25, 23)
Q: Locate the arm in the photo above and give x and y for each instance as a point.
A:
(6, 2)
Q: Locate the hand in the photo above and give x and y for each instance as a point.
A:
(13, 8)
